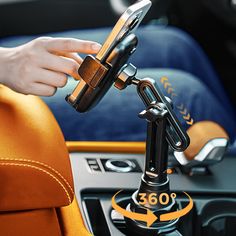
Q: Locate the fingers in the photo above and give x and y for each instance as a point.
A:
(61, 64)
(44, 83)
(73, 56)
(72, 45)
(51, 78)
(40, 89)
(44, 63)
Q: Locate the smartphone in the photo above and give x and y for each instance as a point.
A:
(127, 23)
(97, 74)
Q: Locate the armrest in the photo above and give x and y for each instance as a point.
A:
(35, 170)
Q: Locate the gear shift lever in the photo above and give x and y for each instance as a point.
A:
(209, 142)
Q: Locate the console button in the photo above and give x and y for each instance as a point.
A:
(95, 168)
(120, 165)
(93, 165)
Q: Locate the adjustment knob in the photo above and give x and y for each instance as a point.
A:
(125, 76)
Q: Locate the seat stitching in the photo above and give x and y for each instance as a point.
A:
(46, 172)
(41, 163)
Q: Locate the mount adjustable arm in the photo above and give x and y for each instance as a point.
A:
(156, 144)
(150, 93)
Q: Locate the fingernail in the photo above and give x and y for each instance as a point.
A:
(96, 46)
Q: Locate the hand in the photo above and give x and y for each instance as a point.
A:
(42, 65)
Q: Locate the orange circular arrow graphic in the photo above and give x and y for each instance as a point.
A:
(150, 217)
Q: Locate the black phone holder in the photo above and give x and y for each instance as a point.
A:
(163, 128)
(97, 76)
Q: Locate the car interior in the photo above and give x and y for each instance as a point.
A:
(52, 186)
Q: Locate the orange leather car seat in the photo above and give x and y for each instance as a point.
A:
(35, 173)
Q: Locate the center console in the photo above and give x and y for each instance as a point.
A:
(99, 175)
